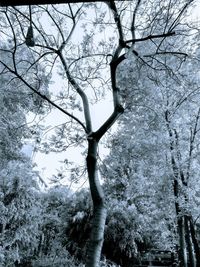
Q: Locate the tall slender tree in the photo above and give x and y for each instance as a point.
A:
(164, 144)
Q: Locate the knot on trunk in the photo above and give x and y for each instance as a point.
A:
(119, 109)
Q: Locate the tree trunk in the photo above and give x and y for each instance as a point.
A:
(99, 210)
(191, 256)
(182, 243)
(182, 253)
(195, 242)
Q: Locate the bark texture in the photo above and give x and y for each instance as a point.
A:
(195, 242)
(191, 256)
(99, 210)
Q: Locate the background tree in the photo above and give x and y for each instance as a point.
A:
(161, 148)
(20, 205)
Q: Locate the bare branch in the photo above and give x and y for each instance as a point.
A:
(112, 6)
(134, 18)
(68, 38)
(43, 96)
(149, 37)
(80, 92)
(174, 24)
(116, 60)
(54, 21)
(176, 53)
(35, 26)
(118, 110)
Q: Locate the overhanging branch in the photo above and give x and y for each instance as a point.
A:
(149, 37)
(43, 96)
(176, 53)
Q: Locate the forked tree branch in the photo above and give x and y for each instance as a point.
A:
(116, 60)
(174, 24)
(80, 92)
